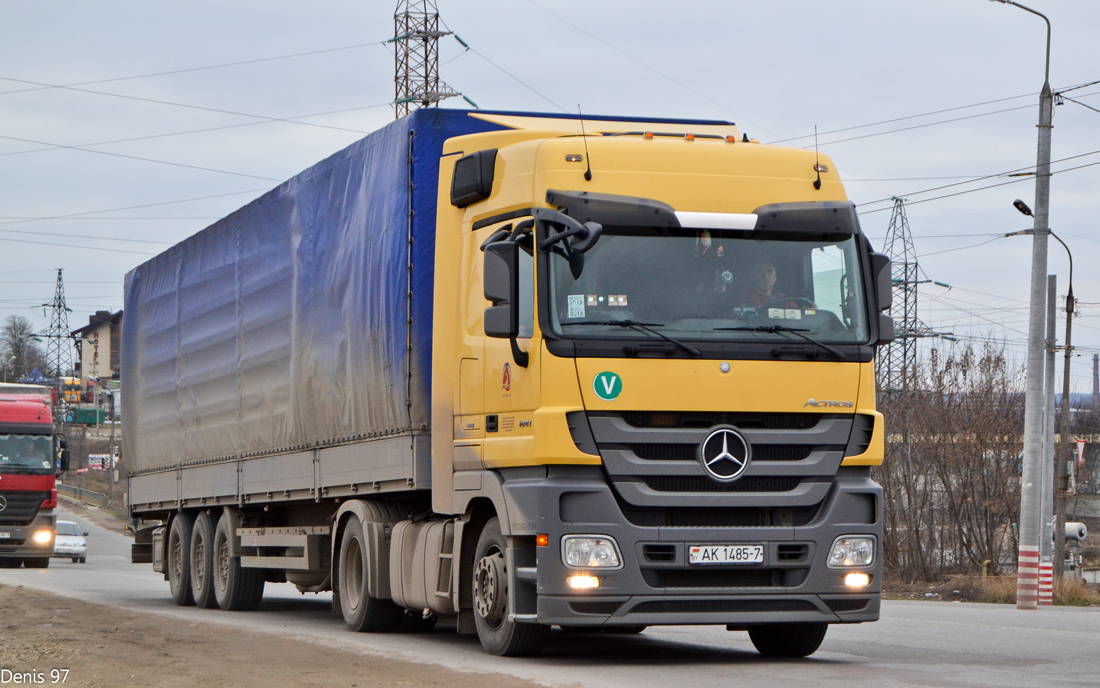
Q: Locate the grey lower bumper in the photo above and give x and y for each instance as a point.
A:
(19, 540)
(657, 585)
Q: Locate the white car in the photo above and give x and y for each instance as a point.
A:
(70, 542)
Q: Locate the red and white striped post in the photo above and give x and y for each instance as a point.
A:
(1027, 578)
(1046, 583)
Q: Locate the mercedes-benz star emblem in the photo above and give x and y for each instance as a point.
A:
(725, 454)
(3, 504)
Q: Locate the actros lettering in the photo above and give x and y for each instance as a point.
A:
(824, 403)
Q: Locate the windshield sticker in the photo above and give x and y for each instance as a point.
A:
(793, 314)
(576, 305)
(616, 300)
(776, 313)
(607, 385)
(591, 300)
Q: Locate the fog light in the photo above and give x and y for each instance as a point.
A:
(581, 582)
(857, 580)
(852, 550)
(43, 536)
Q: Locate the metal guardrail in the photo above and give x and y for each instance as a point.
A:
(97, 498)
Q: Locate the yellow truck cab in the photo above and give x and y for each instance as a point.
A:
(621, 376)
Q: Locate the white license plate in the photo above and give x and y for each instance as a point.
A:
(5, 536)
(725, 554)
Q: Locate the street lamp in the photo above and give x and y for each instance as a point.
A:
(1060, 477)
(1027, 577)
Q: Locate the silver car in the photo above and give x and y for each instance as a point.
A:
(70, 542)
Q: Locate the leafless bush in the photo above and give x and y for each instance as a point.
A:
(951, 475)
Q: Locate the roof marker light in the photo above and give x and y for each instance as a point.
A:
(731, 139)
(648, 134)
(689, 137)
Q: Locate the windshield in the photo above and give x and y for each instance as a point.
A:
(67, 528)
(26, 451)
(703, 285)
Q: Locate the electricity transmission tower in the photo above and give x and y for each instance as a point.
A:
(59, 352)
(416, 57)
(897, 360)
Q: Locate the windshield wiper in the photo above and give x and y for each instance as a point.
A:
(783, 328)
(642, 327)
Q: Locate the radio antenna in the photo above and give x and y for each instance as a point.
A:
(587, 172)
(817, 161)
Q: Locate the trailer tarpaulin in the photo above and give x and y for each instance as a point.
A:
(286, 325)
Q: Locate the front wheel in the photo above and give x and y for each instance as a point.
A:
(36, 562)
(362, 612)
(787, 639)
(498, 634)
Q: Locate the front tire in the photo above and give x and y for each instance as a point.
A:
(36, 562)
(362, 613)
(179, 560)
(236, 589)
(788, 639)
(202, 561)
(499, 635)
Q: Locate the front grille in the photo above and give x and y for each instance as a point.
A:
(604, 608)
(722, 606)
(720, 517)
(21, 507)
(693, 419)
(690, 452)
(691, 483)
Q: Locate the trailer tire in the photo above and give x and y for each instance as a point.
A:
(362, 613)
(236, 588)
(499, 635)
(36, 562)
(179, 559)
(202, 561)
(788, 639)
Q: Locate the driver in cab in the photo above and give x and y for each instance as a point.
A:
(761, 291)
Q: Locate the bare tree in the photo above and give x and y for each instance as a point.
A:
(951, 476)
(19, 353)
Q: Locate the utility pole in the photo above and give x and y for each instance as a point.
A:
(416, 57)
(1046, 508)
(1027, 572)
(1061, 479)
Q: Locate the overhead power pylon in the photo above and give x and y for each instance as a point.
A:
(59, 350)
(416, 57)
(897, 361)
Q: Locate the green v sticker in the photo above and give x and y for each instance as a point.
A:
(607, 386)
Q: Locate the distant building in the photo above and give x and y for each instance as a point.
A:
(98, 346)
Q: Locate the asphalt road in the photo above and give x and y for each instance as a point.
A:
(914, 644)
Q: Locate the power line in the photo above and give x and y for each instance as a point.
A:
(183, 105)
(134, 207)
(141, 159)
(197, 69)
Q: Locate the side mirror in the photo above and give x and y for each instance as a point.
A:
(64, 460)
(501, 287)
(885, 329)
(884, 288)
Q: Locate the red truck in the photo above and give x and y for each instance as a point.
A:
(30, 454)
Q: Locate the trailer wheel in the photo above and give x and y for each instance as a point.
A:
(787, 639)
(236, 589)
(179, 559)
(36, 562)
(499, 635)
(202, 561)
(362, 613)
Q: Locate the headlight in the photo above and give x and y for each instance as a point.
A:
(589, 552)
(43, 536)
(850, 551)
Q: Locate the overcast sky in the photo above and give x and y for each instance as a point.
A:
(98, 171)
